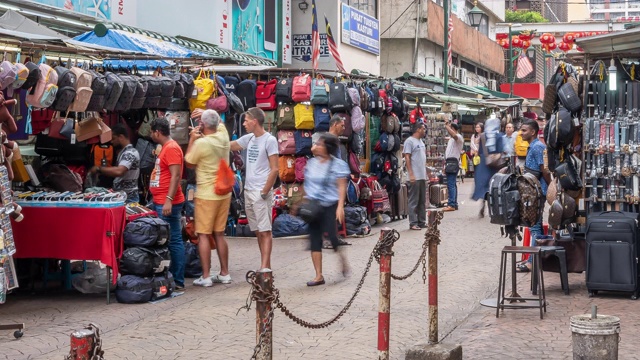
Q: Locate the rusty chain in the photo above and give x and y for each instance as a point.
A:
(432, 234)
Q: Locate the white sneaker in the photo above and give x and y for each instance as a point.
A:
(217, 278)
(205, 282)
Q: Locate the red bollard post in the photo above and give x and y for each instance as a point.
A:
(264, 278)
(433, 282)
(384, 305)
(85, 344)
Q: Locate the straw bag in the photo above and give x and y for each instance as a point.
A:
(380, 198)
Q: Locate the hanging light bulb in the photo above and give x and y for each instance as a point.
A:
(612, 76)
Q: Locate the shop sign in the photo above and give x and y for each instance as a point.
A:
(121, 11)
(360, 30)
(302, 47)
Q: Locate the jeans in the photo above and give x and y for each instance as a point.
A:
(176, 246)
(417, 203)
(535, 231)
(452, 188)
(189, 207)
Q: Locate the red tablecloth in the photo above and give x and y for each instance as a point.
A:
(72, 234)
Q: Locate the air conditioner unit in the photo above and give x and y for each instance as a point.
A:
(453, 72)
(462, 76)
(493, 85)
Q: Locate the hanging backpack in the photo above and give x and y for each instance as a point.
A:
(287, 168)
(140, 96)
(102, 154)
(357, 119)
(283, 91)
(231, 83)
(266, 94)
(154, 92)
(339, 100)
(301, 89)
(21, 75)
(504, 199)
(354, 164)
(286, 142)
(303, 116)
(320, 91)
(129, 87)
(321, 117)
(270, 122)
(388, 123)
(179, 126)
(167, 86)
(531, 203)
(295, 194)
(365, 101)
(560, 129)
(147, 158)
(246, 92)
(66, 89)
(303, 142)
(353, 192)
(43, 94)
(84, 80)
(114, 90)
(8, 72)
(356, 143)
(33, 77)
(203, 87)
(286, 117)
(99, 91)
(354, 95)
(348, 128)
(301, 162)
(184, 86)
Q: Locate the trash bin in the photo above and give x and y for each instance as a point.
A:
(595, 339)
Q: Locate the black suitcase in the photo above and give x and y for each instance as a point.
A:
(612, 245)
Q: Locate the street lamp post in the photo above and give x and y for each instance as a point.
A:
(510, 71)
(445, 52)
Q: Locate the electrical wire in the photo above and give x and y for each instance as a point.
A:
(398, 18)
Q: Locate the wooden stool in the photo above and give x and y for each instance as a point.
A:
(541, 300)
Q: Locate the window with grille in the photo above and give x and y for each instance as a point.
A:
(369, 7)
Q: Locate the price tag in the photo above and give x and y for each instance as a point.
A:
(73, 138)
(326, 87)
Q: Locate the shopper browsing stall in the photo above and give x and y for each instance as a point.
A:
(127, 170)
(208, 146)
(168, 199)
(415, 156)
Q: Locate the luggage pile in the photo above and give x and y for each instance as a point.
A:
(356, 220)
(145, 262)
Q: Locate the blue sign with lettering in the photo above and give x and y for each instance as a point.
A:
(360, 30)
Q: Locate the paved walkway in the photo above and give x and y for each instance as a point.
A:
(203, 322)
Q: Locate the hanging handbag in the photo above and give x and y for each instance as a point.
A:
(88, 128)
(68, 128)
(311, 209)
(106, 135)
(380, 198)
(57, 123)
(569, 98)
(218, 102)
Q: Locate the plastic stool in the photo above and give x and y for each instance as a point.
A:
(526, 238)
(537, 269)
(560, 253)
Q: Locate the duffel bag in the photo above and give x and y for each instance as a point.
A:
(146, 231)
(355, 215)
(289, 225)
(162, 286)
(144, 262)
(133, 289)
(362, 229)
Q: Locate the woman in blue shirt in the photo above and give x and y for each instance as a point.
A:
(325, 180)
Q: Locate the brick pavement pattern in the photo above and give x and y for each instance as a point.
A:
(202, 323)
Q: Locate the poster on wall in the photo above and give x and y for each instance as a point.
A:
(254, 28)
(360, 30)
(122, 11)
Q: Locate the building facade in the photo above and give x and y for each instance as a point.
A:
(613, 9)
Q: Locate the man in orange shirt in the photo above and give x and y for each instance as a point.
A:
(168, 199)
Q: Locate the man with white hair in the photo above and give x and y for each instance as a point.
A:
(208, 145)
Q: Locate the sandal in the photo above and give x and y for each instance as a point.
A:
(315, 283)
(415, 227)
(522, 268)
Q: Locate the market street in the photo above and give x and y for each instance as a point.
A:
(203, 323)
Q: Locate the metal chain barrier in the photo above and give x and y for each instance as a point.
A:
(432, 234)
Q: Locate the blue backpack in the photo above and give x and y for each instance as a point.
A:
(303, 142)
(321, 117)
(353, 193)
(319, 91)
(383, 143)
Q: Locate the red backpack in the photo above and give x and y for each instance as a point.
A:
(266, 95)
(301, 162)
(286, 142)
(301, 90)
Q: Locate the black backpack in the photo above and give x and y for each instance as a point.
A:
(396, 96)
(167, 86)
(154, 92)
(33, 77)
(129, 88)
(147, 158)
(374, 98)
(231, 83)
(146, 231)
(66, 89)
(140, 95)
(184, 86)
(283, 91)
(339, 99)
(560, 129)
(99, 88)
(246, 92)
(504, 199)
(114, 90)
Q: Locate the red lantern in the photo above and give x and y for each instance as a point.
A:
(526, 44)
(504, 43)
(565, 46)
(552, 46)
(502, 36)
(516, 42)
(547, 38)
(592, 33)
(569, 38)
(527, 36)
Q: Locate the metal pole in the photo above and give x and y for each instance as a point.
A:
(415, 45)
(280, 11)
(384, 306)
(445, 57)
(264, 278)
(510, 73)
(433, 283)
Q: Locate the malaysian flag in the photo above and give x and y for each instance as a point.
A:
(333, 47)
(523, 67)
(315, 37)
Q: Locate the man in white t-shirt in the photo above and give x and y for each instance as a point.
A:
(261, 174)
(454, 149)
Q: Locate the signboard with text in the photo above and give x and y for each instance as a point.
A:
(302, 47)
(360, 30)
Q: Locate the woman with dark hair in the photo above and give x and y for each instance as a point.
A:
(325, 180)
(475, 138)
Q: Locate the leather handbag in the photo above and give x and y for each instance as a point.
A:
(106, 135)
(568, 175)
(569, 98)
(452, 166)
(218, 102)
(68, 128)
(57, 123)
(88, 128)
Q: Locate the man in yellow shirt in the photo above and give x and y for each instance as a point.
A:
(208, 145)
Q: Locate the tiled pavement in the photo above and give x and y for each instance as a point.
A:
(203, 323)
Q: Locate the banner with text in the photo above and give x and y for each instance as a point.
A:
(360, 30)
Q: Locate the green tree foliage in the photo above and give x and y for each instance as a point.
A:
(523, 16)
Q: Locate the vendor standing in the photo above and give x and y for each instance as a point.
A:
(127, 170)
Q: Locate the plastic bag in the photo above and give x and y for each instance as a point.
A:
(226, 179)
(92, 281)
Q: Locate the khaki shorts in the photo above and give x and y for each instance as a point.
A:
(258, 210)
(211, 215)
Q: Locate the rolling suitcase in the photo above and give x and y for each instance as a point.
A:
(402, 202)
(438, 195)
(612, 241)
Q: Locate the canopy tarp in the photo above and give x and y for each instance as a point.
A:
(17, 25)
